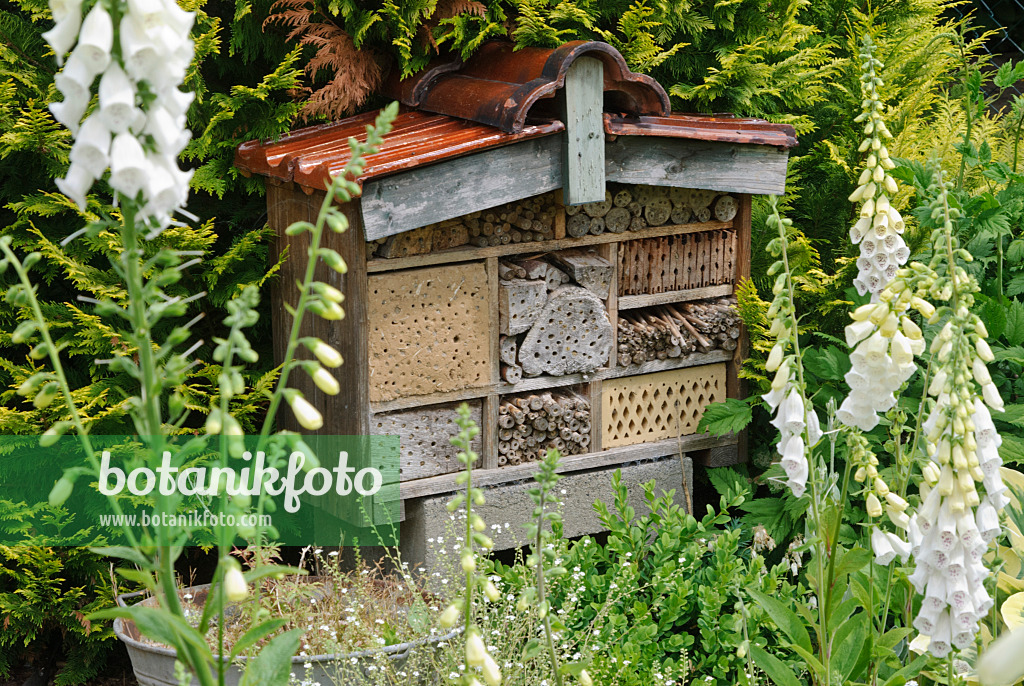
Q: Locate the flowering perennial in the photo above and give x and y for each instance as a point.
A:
(797, 422)
(140, 50)
(879, 227)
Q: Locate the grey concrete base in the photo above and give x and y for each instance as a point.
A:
(509, 507)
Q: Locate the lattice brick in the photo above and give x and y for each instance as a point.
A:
(429, 331)
(676, 263)
(653, 407)
(424, 436)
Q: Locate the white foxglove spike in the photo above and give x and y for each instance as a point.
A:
(97, 38)
(76, 184)
(92, 146)
(882, 547)
(117, 99)
(63, 35)
(128, 166)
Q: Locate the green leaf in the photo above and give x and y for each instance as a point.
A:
(785, 618)
(160, 625)
(728, 482)
(848, 642)
(124, 553)
(255, 634)
(532, 650)
(994, 315)
(1014, 333)
(273, 666)
(1012, 449)
(829, 363)
(914, 667)
(853, 561)
(777, 670)
(731, 415)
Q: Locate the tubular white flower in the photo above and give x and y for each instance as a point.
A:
(63, 35)
(75, 184)
(129, 170)
(69, 112)
(117, 99)
(75, 81)
(142, 57)
(92, 147)
(235, 587)
(97, 38)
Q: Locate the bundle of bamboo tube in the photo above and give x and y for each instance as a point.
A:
(664, 331)
(530, 425)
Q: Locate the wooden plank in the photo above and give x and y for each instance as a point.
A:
(610, 252)
(538, 383)
(559, 215)
(489, 433)
(491, 267)
(723, 167)
(461, 185)
(594, 392)
(631, 302)
(583, 162)
(469, 254)
(595, 460)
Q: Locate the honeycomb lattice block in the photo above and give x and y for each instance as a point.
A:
(677, 263)
(653, 407)
(424, 436)
(429, 331)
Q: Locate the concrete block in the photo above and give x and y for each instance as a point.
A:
(509, 504)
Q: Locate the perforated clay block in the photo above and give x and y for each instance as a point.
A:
(654, 407)
(424, 435)
(429, 331)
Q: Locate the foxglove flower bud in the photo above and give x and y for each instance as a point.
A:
(307, 415)
(117, 101)
(235, 587)
(129, 170)
(476, 651)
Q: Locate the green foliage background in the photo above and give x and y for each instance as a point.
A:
(787, 60)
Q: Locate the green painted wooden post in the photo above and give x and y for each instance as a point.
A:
(583, 167)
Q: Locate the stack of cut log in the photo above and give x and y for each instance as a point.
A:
(532, 219)
(664, 331)
(451, 233)
(634, 208)
(528, 426)
(560, 311)
(524, 221)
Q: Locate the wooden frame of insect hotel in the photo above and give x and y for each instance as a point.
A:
(539, 236)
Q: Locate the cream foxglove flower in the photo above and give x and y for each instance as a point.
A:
(491, 673)
(328, 356)
(326, 382)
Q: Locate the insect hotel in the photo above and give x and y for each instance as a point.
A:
(541, 238)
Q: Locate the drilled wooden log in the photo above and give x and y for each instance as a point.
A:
(617, 219)
(681, 213)
(507, 347)
(572, 334)
(519, 303)
(588, 269)
(622, 198)
(597, 226)
(578, 225)
(658, 210)
(511, 373)
(505, 421)
(599, 209)
(726, 208)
